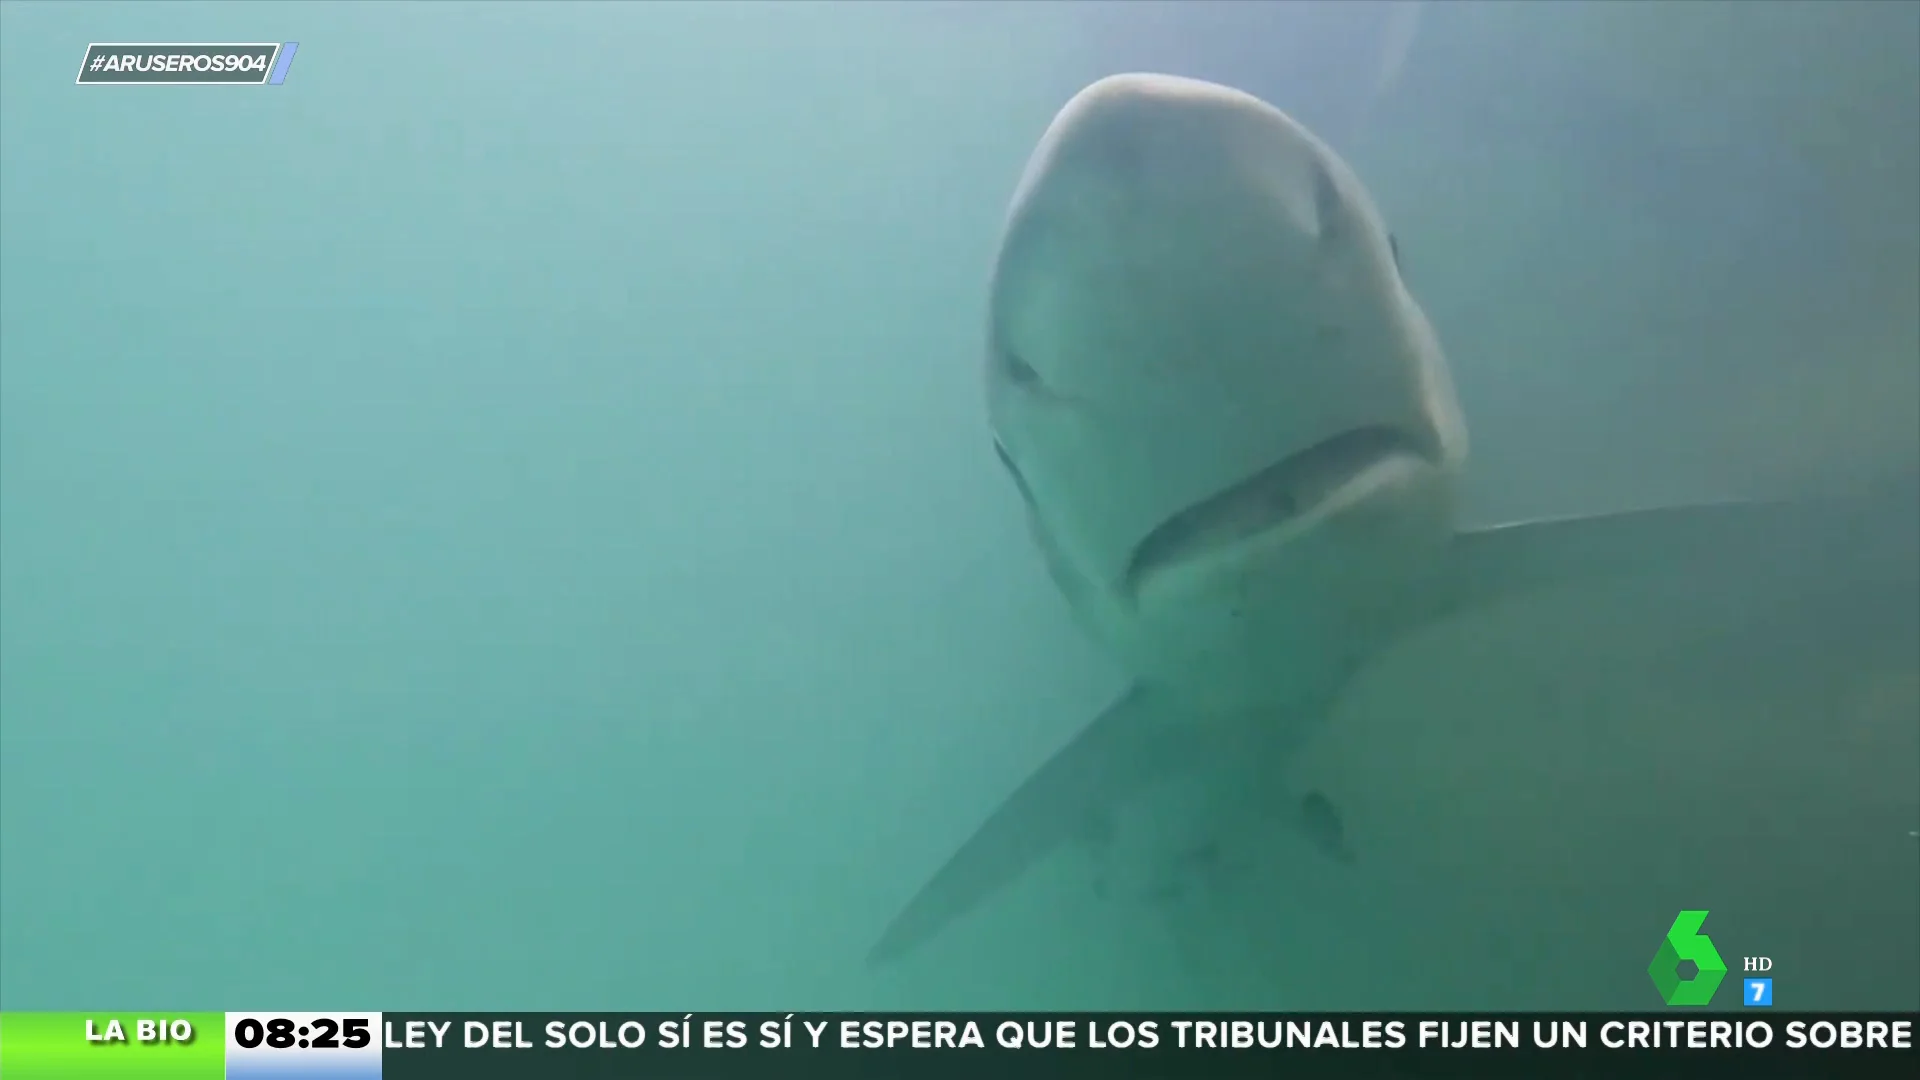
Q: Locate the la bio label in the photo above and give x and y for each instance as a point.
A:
(147, 1031)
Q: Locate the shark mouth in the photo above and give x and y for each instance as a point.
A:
(1269, 499)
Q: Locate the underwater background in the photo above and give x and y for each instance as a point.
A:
(505, 519)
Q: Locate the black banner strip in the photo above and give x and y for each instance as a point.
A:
(1014, 1046)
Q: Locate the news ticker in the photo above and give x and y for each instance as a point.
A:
(161, 64)
(398, 1046)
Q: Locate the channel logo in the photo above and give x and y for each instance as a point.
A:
(1684, 942)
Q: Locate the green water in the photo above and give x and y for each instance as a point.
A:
(505, 519)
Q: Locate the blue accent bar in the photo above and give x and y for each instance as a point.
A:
(281, 65)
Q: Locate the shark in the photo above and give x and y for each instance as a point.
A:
(1240, 453)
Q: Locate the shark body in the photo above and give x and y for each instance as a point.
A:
(1239, 448)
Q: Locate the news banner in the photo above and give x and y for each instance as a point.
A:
(401, 1046)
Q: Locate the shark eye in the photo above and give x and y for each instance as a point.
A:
(1018, 371)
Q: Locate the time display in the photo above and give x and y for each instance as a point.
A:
(323, 1033)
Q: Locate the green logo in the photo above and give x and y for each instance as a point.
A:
(1686, 942)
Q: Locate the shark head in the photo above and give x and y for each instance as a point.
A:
(1231, 423)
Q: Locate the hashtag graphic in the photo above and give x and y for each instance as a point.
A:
(257, 63)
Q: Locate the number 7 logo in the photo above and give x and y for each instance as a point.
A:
(1759, 992)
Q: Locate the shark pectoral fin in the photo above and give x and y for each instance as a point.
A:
(1814, 540)
(1133, 743)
